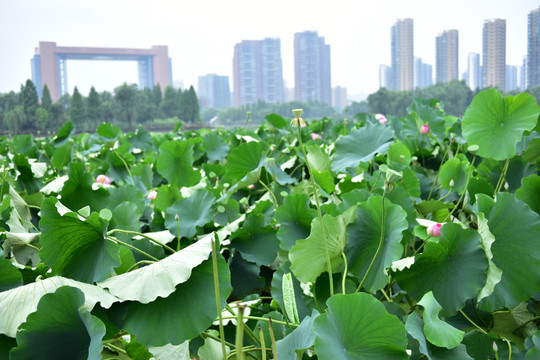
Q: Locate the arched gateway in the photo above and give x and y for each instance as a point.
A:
(49, 64)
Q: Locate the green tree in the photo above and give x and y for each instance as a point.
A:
(144, 106)
(46, 100)
(15, 119)
(29, 101)
(125, 96)
(77, 111)
(42, 119)
(170, 106)
(157, 95)
(94, 111)
(189, 106)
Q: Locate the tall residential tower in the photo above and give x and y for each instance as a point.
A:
(447, 56)
(214, 92)
(494, 53)
(312, 68)
(257, 71)
(402, 55)
(533, 49)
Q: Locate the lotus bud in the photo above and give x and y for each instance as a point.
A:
(381, 118)
(434, 230)
(495, 347)
(506, 186)
(251, 186)
(103, 179)
(315, 136)
(152, 195)
(451, 183)
(424, 129)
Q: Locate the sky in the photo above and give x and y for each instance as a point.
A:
(201, 34)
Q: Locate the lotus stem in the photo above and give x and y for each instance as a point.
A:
(217, 296)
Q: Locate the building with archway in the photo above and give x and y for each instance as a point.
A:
(49, 65)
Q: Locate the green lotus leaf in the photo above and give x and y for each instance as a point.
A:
(243, 159)
(516, 250)
(77, 191)
(216, 149)
(299, 339)
(533, 345)
(364, 238)
(399, 156)
(77, 334)
(454, 269)
(16, 304)
(126, 192)
(276, 120)
(533, 151)
(318, 158)
(257, 243)
(245, 278)
(295, 217)
(438, 332)
(309, 256)
(496, 124)
(193, 211)
(415, 328)
(62, 156)
(361, 145)
(74, 246)
(185, 313)
(126, 217)
(10, 277)
(171, 352)
(212, 348)
(159, 279)
(108, 131)
(357, 326)
(140, 139)
(63, 134)
(529, 192)
(175, 163)
(454, 170)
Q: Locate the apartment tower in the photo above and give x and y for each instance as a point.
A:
(214, 91)
(402, 55)
(312, 68)
(533, 49)
(257, 71)
(494, 53)
(447, 56)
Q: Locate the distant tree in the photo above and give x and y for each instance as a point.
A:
(125, 96)
(169, 105)
(29, 101)
(144, 106)
(157, 95)
(77, 111)
(379, 101)
(108, 106)
(191, 103)
(94, 112)
(46, 100)
(15, 119)
(42, 119)
(357, 107)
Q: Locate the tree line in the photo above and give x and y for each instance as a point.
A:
(127, 106)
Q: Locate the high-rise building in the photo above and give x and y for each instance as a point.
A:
(402, 55)
(214, 91)
(512, 78)
(447, 56)
(423, 74)
(257, 71)
(339, 97)
(533, 49)
(312, 68)
(494, 53)
(523, 75)
(385, 76)
(474, 71)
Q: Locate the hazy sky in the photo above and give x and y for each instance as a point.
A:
(201, 34)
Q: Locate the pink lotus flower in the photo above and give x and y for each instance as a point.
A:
(152, 195)
(424, 129)
(434, 230)
(381, 118)
(316, 136)
(103, 179)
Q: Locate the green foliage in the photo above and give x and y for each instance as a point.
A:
(369, 241)
(77, 110)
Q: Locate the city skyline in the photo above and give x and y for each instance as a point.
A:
(358, 34)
